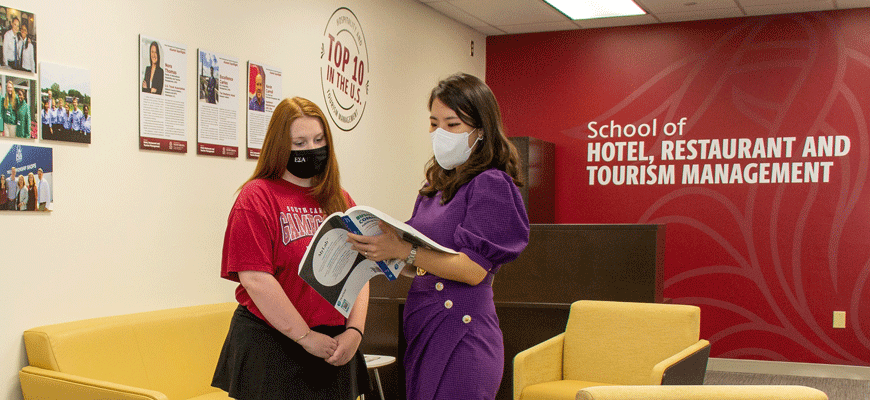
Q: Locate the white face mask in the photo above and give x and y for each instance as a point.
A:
(451, 149)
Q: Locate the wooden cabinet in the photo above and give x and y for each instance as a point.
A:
(538, 165)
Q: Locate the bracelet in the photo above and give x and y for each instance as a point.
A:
(302, 337)
(412, 256)
(356, 329)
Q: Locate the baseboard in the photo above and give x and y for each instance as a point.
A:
(789, 368)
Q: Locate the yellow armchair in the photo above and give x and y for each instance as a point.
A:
(615, 343)
(158, 355)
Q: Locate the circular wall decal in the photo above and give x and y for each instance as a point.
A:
(344, 68)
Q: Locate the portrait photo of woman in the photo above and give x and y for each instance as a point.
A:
(153, 80)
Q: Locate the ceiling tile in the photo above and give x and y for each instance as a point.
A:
(788, 9)
(686, 6)
(828, 4)
(444, 7)
(510, 12)
(853, 3)
(617, 21)
(543, 27)
(701, 15)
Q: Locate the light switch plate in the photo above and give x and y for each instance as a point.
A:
(839, 319)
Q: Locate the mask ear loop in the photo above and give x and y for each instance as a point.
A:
(479, 138)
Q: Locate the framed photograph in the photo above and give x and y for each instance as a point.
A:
(218, 108)
(26, 174)
(162, 99)
(19, 39)
(17, 108)
(64, 108)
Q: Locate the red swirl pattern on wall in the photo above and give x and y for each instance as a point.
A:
(768, 252)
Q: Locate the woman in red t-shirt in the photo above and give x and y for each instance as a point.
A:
(285, 340)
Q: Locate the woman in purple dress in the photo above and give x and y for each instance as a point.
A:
(470, 204)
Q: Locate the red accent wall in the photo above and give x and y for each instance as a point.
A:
(769, 240)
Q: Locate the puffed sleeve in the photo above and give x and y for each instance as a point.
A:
(496, 227)
(248, 244)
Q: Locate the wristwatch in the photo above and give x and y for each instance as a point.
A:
(412, 256)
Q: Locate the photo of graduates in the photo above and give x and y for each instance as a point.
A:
(26, 178)
(208, 78)
(17, 110)
(64, 108)
(19, 39)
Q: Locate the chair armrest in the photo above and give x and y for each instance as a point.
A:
(687, 367)
(539, 363)
(44, 384)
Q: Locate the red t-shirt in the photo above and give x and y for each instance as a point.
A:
(268, 229)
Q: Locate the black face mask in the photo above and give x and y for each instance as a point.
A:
(308, 163)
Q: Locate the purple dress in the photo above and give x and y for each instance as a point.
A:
(455, 347)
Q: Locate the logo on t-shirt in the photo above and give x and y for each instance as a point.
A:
(299, 222)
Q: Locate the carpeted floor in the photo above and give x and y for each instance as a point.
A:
(836, 389)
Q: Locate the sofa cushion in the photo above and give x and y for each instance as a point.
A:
(702, 392)
(556, 390)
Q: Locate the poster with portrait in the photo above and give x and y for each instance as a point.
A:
(64, 108)
(18, 30)
(19, 115)
(264, 93)
(217, 124)
(26, 178)
(162, 98)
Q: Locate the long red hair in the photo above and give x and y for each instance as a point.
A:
(325, 187)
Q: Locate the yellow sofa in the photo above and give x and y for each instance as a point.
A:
(701, 392)
(165, 354)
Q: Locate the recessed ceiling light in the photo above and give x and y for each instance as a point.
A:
(589, 9)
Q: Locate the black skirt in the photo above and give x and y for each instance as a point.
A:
(259, 362)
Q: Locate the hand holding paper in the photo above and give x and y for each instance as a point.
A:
(386, 246)
(338, 267)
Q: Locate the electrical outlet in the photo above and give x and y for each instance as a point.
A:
(839, 319)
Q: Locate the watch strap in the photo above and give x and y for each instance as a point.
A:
(412, 256)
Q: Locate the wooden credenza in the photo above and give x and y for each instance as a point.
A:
(563, 263)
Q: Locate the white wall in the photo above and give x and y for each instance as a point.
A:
(140, 230)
